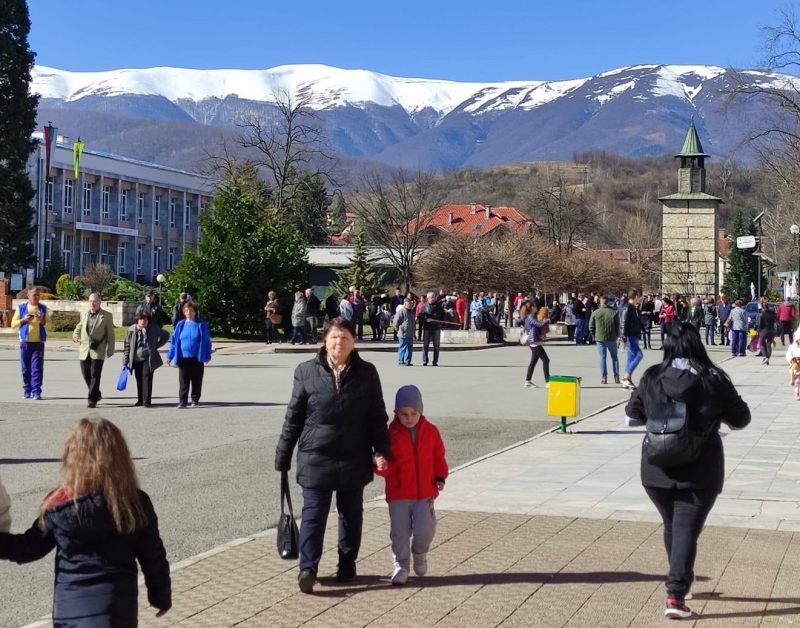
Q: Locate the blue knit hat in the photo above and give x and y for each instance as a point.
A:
(408, 397)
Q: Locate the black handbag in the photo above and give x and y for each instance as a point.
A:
(288, 535)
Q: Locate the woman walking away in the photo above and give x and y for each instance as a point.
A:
(101, 525)
(536, 328)
(338, 417)
(683, 482)
(767, 326)
(298, 319)
(570, 320)
(190, 349)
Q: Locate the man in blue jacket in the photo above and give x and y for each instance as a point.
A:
(30, 319)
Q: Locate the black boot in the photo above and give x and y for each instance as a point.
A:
(306, 580)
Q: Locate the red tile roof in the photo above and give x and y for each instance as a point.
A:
(466, 221)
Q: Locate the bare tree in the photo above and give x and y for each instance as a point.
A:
(641, 236)
(288, 143)
(395, 210)
(568, 211)
(97, 277)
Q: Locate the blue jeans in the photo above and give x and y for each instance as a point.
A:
(739, 344)
(31, 358)
(611, 347)
(580, 331)
(298, 333)
(710, 329)
(633, 352)
(316, 508)
(405, 350)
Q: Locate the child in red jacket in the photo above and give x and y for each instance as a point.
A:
(414, 476)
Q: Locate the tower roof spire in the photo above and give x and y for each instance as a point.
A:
(691, 145)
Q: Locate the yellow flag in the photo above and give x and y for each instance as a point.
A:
(77, 153)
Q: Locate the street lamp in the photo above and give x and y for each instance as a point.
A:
(161, 281)
(795, 231)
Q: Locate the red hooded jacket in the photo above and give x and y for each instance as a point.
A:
(461, 309)
(414, 467)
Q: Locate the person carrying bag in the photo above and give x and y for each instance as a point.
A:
(288, 534)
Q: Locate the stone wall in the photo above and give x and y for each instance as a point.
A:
(462, 337)
(122, 311)
(689, 247)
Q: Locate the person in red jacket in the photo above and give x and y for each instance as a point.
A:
(461, 309)
(414, 476)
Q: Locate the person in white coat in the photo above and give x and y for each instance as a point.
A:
(5, 509)
(793, 358)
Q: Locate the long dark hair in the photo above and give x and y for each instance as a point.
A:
(682, 340)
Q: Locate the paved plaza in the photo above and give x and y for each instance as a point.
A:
(553, 532)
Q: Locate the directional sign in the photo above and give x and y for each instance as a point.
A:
(746, 242)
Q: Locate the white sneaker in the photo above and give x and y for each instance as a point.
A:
(529, 384)
(627, 384)
(400, 576)
(420, 564)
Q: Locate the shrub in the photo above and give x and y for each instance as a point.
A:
(62, 321)
(71, 290)
(97, 277)
(60, 282)
(121, 289)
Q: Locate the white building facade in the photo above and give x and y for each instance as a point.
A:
(135, 216)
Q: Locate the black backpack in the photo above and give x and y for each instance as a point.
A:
(671, 440)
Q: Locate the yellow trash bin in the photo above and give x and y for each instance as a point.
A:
(564, 398)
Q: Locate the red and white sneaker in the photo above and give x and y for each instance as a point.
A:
(677, 610)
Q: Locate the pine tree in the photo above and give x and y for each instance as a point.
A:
(308, 208)
(337, 219)
(742, 264)
(361, 274)
(17, 123)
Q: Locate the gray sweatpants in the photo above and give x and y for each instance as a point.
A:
(408, 517)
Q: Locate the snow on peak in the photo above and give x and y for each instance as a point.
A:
(332, 87)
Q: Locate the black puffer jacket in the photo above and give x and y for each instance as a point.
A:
(706, 412)
(96, 576)
(336, 433)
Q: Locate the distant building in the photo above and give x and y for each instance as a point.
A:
(135, 216)
(476, 220)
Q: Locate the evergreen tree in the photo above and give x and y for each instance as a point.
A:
(308, 208)
(245, 250)
(337, 220)
(17, 123)
(53, 269)
(361, 274)
(742, 264)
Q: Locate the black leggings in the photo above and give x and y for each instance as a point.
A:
(538, 353)
(765, 340)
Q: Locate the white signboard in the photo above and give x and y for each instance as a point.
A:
(88, 226)
(746, 242)
(16, 282)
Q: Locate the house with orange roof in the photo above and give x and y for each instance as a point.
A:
(477, 220)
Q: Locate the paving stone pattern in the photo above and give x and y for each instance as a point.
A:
(490, 570)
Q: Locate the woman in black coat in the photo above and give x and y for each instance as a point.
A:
(685, 494)
(337, 418)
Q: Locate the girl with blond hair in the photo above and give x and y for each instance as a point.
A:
(101, 524)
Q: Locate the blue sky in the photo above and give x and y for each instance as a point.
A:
(450, 39)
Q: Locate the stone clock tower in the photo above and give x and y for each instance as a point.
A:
(689, 249)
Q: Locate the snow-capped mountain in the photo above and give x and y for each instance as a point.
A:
(436, 123)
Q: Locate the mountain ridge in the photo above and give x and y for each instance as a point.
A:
(432, 123)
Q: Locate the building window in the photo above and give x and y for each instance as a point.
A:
(66, 249)
(157, 211)
(105, 246)
(173, 212)
(172, 254)
(123, 205)
(48, 249)
(139, 258)
(106, 202)
(48, 194)
(69, 191)
(140, 208)
(187, 208)
(122, 255)
(87, 199)
(156, 260)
